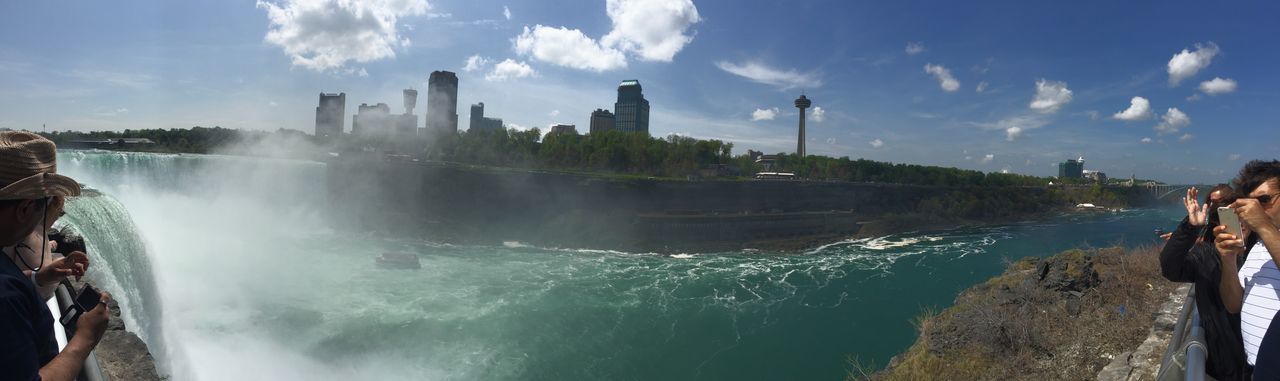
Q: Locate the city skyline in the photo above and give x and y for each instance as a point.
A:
(1137, 88)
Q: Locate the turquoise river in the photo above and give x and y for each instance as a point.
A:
(226, 268)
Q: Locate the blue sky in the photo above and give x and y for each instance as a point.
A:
(896, 81)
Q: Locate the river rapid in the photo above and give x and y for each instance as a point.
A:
(228, 269)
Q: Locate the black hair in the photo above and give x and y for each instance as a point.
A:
(1254, 174)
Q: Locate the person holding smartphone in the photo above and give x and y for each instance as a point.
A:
(28, 185)
(1249, 273)
(1189, 257)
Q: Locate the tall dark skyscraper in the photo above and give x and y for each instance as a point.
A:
(631, 110)
(601, 121)
(331, 114)
(442, 102)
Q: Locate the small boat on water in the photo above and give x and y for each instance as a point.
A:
(399, 261)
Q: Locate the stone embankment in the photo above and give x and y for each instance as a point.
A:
(1143, 363)
(1072, 316)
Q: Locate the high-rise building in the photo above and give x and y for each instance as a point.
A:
(632, 109)
(372, 120)
(330, 115)
(480, 122)
(801, 103)
(442, 102)
(407, 124)
(410, 101)
(601, 121)
(1071, 169)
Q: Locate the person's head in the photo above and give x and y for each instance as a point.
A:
(1261, 180)
(29, 184)
(1220, 195)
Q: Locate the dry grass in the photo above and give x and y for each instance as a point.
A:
(1019, 325)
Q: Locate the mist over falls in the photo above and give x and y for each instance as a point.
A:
(251, 281)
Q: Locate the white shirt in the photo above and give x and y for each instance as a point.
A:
(1259, 277)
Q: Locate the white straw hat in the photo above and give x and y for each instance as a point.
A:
(29, 167)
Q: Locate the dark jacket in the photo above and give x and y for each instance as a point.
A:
(26, 326)
(1184, 260)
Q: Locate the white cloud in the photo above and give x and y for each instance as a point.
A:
(506, 12)
(1050, 96)
(568, 48)
(1186, 64)
(831, 141)
(653, 29)
(272, 104)
(982, 86)
(914, 48)
(1093, 114)
(1172, 121)
(1186, 137)
(509, 69)
(1015, 126)
(475, 62)
(818, 114)
(876, 143)
(109, 113)
(764, 114)
(1217, 86)
(987, 159)
(945, 80)
(554, 113)
(1233, 157)
(758, 72)
(1146, 140)
(1012, 133)
(324, 35)
(1139, 109)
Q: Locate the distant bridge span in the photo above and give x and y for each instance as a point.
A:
(1163, 191)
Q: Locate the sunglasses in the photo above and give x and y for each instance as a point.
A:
(1265, 199)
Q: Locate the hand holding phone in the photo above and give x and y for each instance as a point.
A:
(85, 301)
(1231, 220)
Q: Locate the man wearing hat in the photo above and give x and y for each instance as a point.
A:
(29, 183)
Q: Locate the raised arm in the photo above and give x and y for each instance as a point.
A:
(1175, 262)
(1229, 248)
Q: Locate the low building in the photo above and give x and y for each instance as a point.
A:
(564, 129)
(481, 122)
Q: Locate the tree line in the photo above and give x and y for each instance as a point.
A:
(619, 152)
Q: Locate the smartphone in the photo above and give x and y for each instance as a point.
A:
(1228, 218)
(88, 298)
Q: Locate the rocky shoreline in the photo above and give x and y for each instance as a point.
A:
(1074, 315)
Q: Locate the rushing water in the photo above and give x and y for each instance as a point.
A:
(250, 284)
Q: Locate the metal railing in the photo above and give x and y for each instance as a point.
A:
(1185, 358)
(92, 371)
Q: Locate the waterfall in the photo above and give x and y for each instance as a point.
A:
(119, 262)
(192, 233)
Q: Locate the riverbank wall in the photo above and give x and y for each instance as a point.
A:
(469, 204)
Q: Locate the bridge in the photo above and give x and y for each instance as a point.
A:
(1164, 191)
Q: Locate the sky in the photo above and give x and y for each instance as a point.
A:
(1170, 90)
